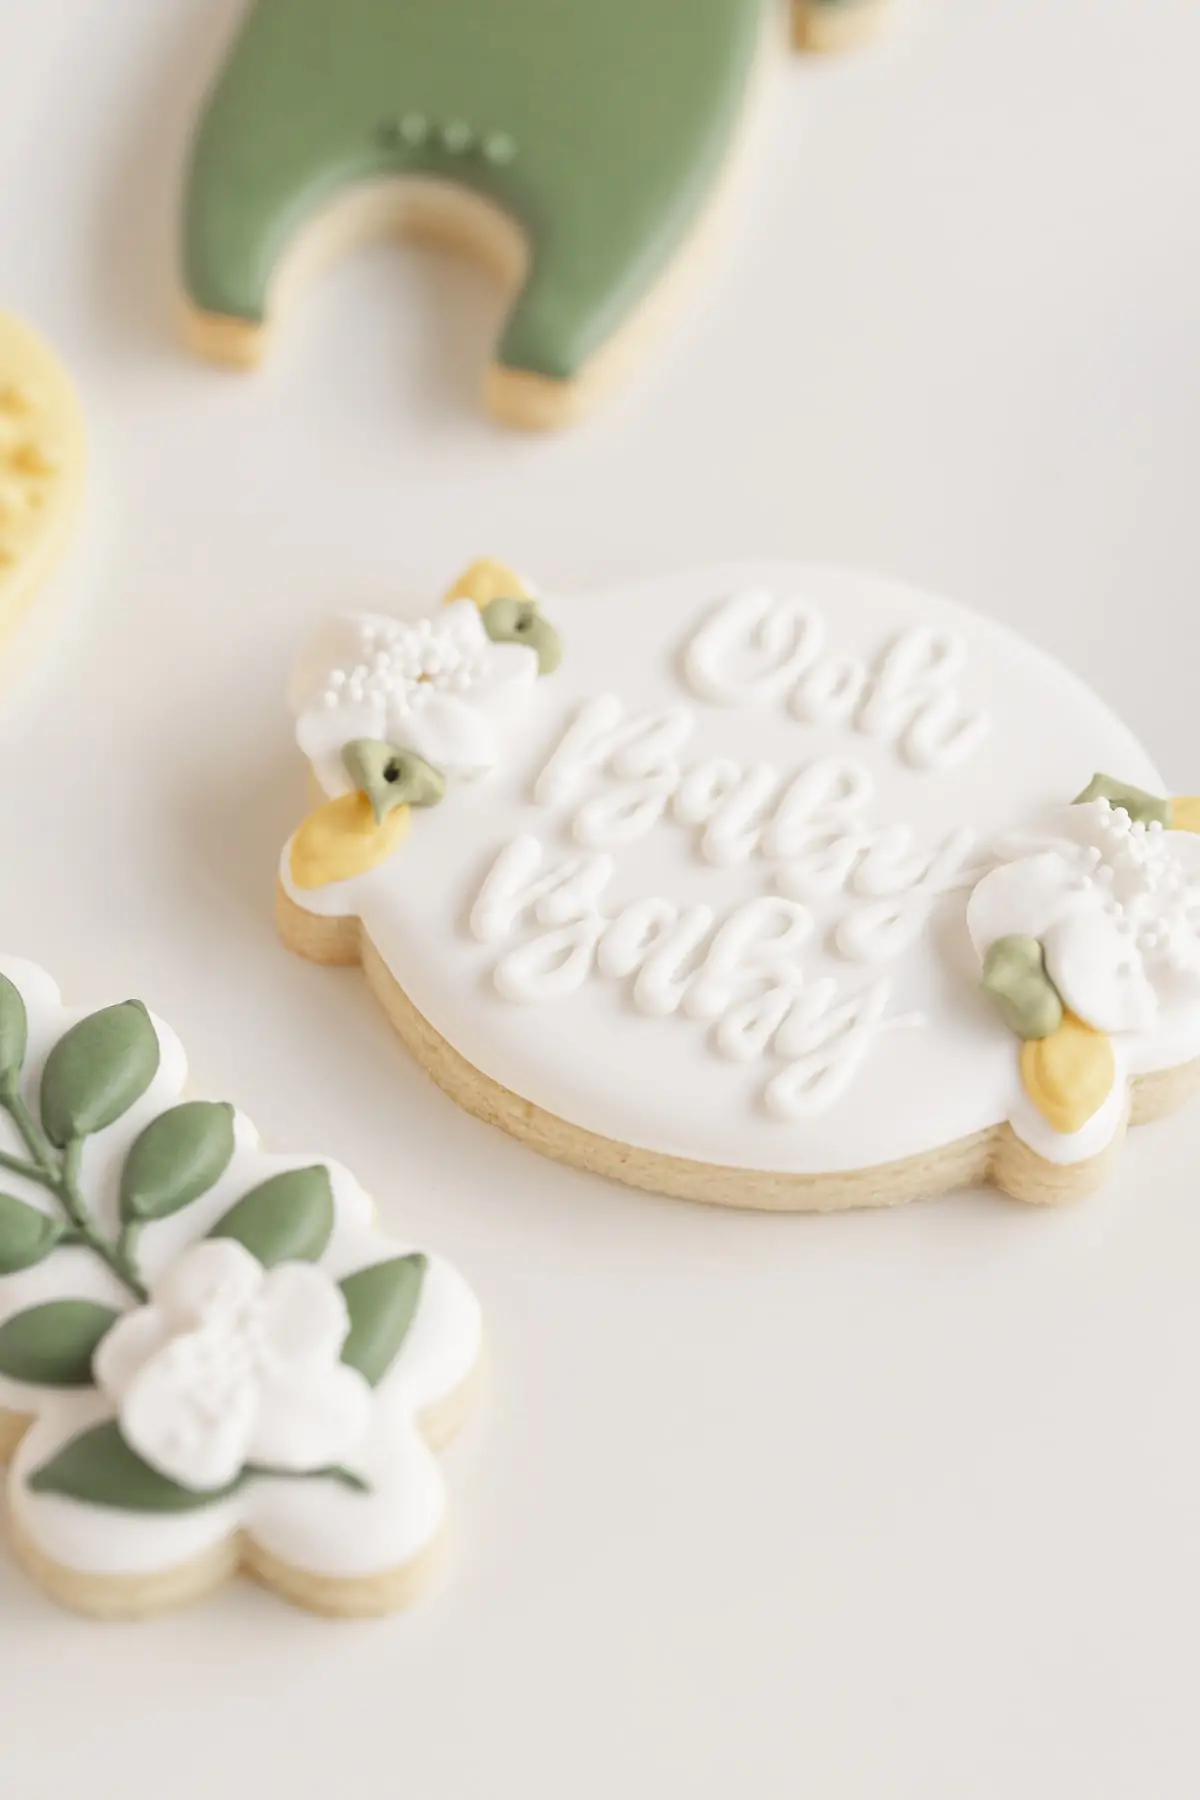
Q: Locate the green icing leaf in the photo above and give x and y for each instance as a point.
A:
(1014, 974)
(390, 777)
(14, 1032)
(98, 1466)
(97, 1070)
(26, 1235)
(178, 1157)
(52, 1345)
(286, 1219)
(520, 622)
(383, 1302)
(1137, 803)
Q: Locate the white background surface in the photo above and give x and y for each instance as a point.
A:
(869, 1508)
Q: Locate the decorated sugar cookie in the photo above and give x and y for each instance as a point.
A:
(575, 148)
(42, 457)
(771, 886)
(211, 1358)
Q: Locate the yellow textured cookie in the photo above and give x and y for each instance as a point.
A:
(42, 461)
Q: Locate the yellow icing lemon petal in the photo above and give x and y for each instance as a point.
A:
(42, 461)
(1070, 1074)
(1185, 813)
(342, 839)
(486, 581)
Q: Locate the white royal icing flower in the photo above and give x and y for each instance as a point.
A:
(1115, 904)
(232, 1364)
(439, 686)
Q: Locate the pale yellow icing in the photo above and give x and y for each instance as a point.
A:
(488, 580)
(42, 463)
(342, 839)
(1070, 1074)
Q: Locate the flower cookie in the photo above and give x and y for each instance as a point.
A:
(576, 149)
(42, 458)
(764, 885)
(210, 1357)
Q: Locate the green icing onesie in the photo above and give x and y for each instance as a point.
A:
(599, 125)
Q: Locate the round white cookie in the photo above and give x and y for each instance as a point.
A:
(771, 892)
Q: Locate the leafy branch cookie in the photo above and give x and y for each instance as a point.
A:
(574, 148)
(767, 885)
(210, 1357)
(42, 459)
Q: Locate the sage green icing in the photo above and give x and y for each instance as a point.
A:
(390, 777)
(178, 1157)
(1148, 808)
(99, 1467)
(1014, 975)
(52, 1345)
(382, 1303)
(512, 621)
(27, 1235)
(286, 1219)
(600, 126)
(498, 147)
(91, 1075)
(14, 1032)
(97, 1070)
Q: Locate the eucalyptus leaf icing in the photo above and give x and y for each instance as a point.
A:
(514, 103)
(52, 1345)
(96, 1072)
(204, 1344)
(99, 1468)
(14, 1033)
(286, 1219)
(381, 1302)
(27, 1235)
(729, 897)
(178, 1157)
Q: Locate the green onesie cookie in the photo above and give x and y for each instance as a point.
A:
(598, 128)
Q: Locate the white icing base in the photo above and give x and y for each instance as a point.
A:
(317, 1525)
(914, 714)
